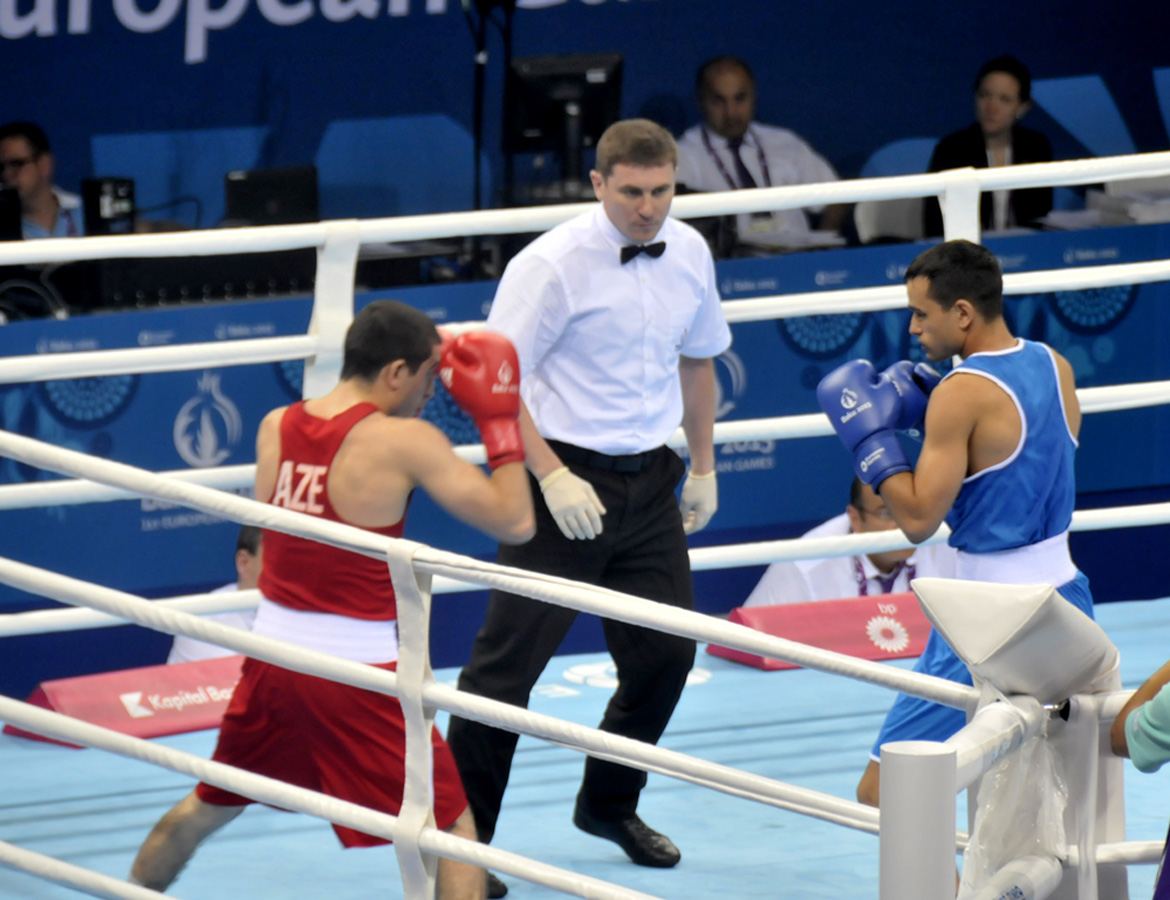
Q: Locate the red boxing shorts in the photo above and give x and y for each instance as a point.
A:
(327, 737)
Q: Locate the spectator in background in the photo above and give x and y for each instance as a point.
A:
(248, 562)
(26, 164)
(1003, 95)
(728, 150)
(890, 572)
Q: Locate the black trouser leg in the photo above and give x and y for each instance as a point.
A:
(651, 562)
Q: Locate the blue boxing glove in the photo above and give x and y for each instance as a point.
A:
(914, 384)
(864, 408)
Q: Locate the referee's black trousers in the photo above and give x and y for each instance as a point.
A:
(641, 551)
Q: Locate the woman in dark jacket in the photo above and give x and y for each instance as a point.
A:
(1003, 94)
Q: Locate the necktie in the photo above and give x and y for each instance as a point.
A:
(741, 171)
(652, 250)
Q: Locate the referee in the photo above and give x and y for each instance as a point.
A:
(616, 319)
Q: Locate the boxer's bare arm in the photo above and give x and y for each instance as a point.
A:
(697, 377)
(499, 504)
(268, 453)
(1068, 393)
(383, 458)
(542, 459)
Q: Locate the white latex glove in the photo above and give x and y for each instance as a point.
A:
(573, 503)
(698, 502)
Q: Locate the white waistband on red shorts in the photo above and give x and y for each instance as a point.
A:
(1046, 562)
(360, 640)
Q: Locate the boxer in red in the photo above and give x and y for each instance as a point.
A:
(354, 456)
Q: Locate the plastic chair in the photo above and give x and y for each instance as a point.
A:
(893, 220)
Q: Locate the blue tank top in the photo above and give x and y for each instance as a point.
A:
(1030, 496)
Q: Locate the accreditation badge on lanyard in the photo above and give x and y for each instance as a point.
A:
(758, 221)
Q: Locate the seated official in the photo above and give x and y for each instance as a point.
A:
(728, 150)
(1003, 95)
(249, 559)
(26, 165)
(864, 575)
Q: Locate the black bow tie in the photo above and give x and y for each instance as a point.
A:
(652, 250)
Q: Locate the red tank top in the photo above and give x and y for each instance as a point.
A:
(307, 575)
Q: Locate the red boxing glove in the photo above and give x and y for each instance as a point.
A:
(481, 371)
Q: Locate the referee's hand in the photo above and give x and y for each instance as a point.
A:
(573, 504)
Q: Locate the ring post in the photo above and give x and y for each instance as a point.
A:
(917, 838)
(412, 590)
(960, 205)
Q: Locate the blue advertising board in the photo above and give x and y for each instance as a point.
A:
(768, 488)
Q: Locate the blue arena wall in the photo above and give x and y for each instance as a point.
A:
(380, 93)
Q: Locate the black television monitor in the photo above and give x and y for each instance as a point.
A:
(281, 196)
(562, 104)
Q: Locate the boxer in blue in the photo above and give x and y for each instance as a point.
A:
(996, 460)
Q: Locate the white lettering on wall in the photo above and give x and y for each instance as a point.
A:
(41, 19)
(344, 10)
(79, 16)
(279, 13)
(201, 18)
(402, 7)
(141, 22)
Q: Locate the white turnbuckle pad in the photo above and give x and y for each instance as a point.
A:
(1021, 638)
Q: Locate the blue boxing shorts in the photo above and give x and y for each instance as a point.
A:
(915, 719)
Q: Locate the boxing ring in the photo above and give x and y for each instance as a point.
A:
(419, 571)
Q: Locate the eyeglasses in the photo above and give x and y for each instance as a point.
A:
(15, 164)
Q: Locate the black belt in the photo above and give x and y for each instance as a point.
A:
(627, 463)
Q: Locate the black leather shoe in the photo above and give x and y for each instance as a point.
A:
(644, 845)
(495, 888)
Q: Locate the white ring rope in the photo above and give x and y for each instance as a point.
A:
(338, 245)
(893, 296)
(1111, 398)
(610, 604)
(172, 358)
(286, 796)
(597, 743)
(90, 882)
(540, 218)
(184, 357)
(44, 621)
(702, 559)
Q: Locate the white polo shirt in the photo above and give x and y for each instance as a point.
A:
(599, 342)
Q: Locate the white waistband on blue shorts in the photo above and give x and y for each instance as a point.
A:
(1046, 562)
(359, 640)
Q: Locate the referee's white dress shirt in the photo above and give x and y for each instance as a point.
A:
(599, 342)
